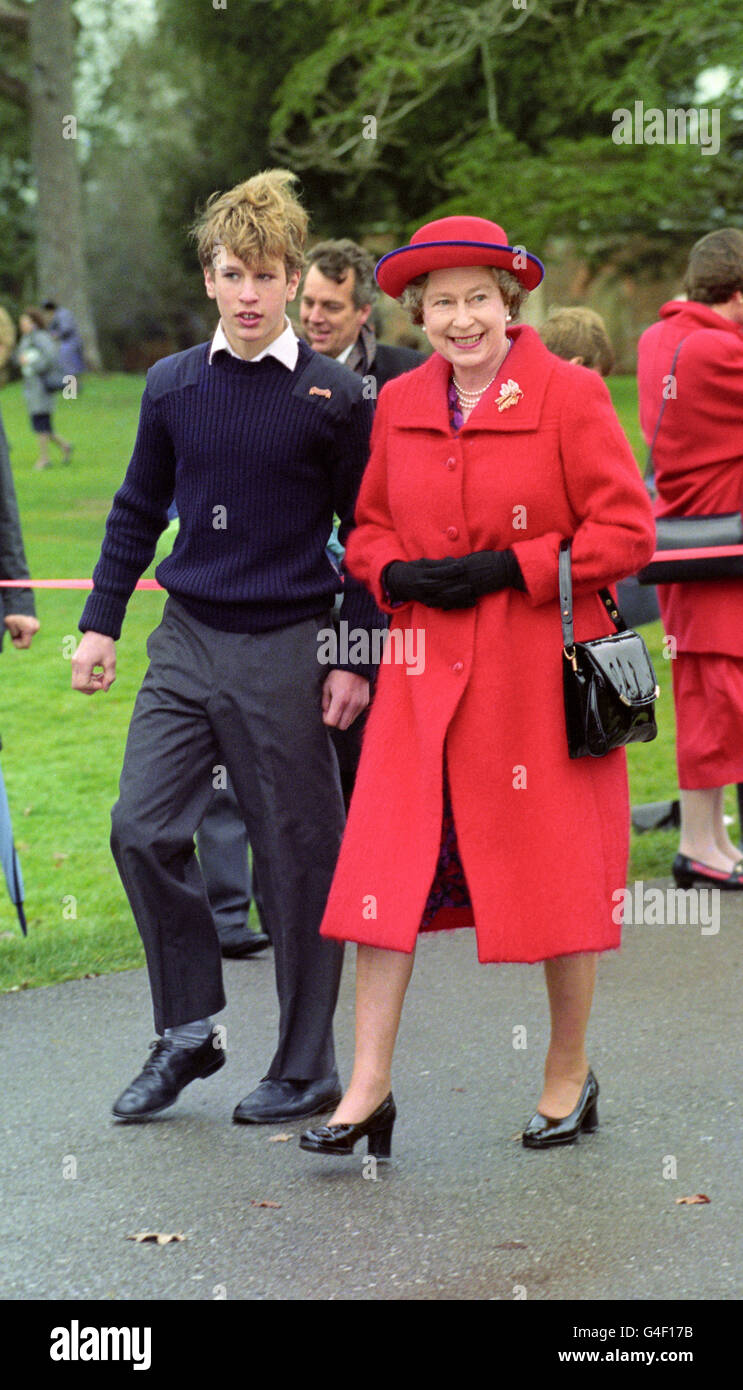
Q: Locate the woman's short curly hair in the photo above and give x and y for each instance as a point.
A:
(511, 289)
(259, 220)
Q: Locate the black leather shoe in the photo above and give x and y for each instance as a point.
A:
(541, 1132)
(165, 1073)
(236, 943)
(277, 1102)
(340, 1139)
(688, 871)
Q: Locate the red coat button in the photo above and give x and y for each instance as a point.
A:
(450, 464)
(452, 533)
(458, 667)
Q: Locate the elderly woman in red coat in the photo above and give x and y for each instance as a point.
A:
(467, 808)
(697, 447)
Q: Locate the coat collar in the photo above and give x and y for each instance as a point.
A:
(421, 395)
(690, 313)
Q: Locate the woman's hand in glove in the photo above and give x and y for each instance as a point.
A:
(452, 583)
(437, 583)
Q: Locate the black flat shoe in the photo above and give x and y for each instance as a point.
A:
(688, 871)
(340, 1139)
(237, 943)
(280, 1101)
(165, 1073)
(541, 1131)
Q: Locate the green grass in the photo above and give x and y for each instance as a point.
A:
(62, 751)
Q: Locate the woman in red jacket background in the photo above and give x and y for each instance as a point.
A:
(693, 357)
(467, 808)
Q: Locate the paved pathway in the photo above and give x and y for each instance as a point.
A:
(463, 1211)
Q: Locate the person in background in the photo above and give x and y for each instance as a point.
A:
(696, 348)
(19, 613)
(62, 325)
(335, 311)
(37, 357)
(579, 335)
(7, 342)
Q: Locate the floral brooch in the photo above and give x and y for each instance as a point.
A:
(510, 394)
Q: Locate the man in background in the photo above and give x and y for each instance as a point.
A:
(335, 312)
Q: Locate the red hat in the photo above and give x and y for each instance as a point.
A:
(456, 241)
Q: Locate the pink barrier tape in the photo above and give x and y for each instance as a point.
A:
(67, 584)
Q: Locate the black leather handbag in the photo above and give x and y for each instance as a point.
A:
(609, 683)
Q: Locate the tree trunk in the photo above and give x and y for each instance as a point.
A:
(60, 254)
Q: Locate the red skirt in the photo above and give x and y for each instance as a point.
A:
(708, 698)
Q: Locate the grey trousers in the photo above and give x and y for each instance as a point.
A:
(222, 847)
(251, 704)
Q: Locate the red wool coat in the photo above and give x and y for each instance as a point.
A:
(698, 455)
(543, 840)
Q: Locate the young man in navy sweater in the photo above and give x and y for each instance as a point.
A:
(260, 440)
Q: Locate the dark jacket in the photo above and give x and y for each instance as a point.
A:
(368, 358)
(12, 555)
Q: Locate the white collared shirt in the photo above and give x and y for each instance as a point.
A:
(343, 356)
(285, 348)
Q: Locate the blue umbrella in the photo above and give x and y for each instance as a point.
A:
(9, 857)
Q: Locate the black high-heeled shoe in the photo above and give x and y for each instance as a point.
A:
(541, 1131)
(340, 1139)
(687, 872)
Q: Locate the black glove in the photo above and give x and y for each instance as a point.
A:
(437, 583)
(452, 583)
(490, 570)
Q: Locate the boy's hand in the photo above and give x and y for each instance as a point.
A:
(344, 696)
(95, 650)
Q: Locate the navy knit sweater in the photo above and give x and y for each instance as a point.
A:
(258, 458)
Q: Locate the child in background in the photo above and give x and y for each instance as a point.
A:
(579, 335)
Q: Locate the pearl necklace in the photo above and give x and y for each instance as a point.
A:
(469, 399)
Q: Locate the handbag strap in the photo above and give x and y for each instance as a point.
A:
(566, 601)
(649, 464)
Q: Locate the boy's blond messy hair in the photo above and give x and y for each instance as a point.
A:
(259, 220)
(579, 332)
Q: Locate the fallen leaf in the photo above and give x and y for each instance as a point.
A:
(27, 810)
(59, 858)
(157, 1237)
(512, 1245)
(697, 1200)
(273, 1138)
(255, 1203)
